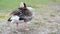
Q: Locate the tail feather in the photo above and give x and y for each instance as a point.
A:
(22, 5)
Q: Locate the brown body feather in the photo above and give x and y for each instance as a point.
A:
(24, 13)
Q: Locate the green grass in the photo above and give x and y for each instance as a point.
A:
(4, 17)
(8, 5)
(13, 4)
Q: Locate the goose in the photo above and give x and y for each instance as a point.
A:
(23, 13)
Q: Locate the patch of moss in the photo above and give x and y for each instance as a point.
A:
(4, 17)
(52, 15)
(53, 33)
(45, 18)
(39, 23)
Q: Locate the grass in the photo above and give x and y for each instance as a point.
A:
(4, 17)
(52, 15)
(39, 23)
(13, 4)
(53, 33)
(8, 5)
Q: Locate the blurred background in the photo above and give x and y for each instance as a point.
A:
(7, 6)
(47, 15)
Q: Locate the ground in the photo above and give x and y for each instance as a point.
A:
(46, 20)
